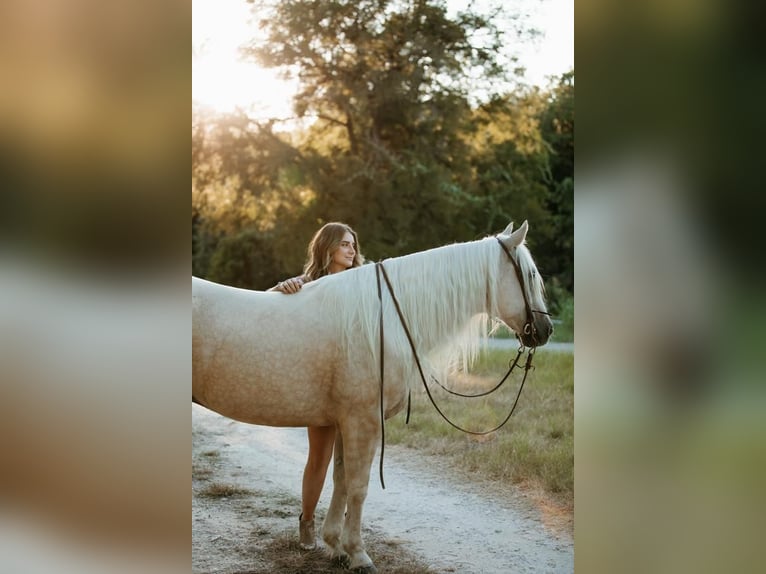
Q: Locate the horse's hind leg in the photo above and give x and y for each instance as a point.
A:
(359, 443)
(333, 522)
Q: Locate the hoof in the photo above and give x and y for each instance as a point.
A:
(366, 570)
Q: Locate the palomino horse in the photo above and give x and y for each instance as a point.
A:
(312, 359)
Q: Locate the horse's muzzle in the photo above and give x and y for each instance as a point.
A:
(536, 333)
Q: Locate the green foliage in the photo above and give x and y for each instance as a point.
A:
(396, 148)
(509, 160)
(563, 314)
(561, 307)
(243, 260)
(564, 331)
(556, 258)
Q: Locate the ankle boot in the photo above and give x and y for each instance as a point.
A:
(307, 535)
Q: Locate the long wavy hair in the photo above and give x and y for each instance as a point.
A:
(322, 247)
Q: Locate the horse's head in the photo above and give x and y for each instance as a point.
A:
(520, 294)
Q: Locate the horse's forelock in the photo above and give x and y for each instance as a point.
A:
(533, 282)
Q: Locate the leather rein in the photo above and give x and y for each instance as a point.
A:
(529, 329)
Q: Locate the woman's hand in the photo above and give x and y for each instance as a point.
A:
(290, 286)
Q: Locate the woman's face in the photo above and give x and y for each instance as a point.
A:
(343, 257)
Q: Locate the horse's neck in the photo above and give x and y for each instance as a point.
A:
(440, 291)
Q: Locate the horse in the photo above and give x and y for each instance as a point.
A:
(313, 358)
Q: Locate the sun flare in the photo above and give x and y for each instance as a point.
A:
(221, 79)
(225, 84)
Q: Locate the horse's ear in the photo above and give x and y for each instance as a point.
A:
(508, 230)
(518, 236)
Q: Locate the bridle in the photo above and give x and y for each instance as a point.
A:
(529, 329)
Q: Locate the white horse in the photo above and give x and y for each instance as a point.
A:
(312, 359)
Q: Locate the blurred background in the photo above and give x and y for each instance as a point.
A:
(94, 322)
(670, 433)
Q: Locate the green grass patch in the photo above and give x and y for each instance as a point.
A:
(536, 447)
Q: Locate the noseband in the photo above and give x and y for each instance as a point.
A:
(529, 327)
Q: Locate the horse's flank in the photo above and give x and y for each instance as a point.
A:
(268, 356)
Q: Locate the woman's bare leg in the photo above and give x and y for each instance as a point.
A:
(321, 441)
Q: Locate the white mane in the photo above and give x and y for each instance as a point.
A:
(439, 291)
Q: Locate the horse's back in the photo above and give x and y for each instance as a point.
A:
(216, 303)
(220, 312)
(205, 292)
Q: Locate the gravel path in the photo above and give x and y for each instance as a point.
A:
(452, 525)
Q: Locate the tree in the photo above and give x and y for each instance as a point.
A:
(397, 146)
(557, 129)
(388, 85)
(509, 159)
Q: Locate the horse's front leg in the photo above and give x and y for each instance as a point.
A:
(333, 522)
(359, 444)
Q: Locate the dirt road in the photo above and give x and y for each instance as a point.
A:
(426, 510)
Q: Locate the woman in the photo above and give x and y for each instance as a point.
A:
(333, 248)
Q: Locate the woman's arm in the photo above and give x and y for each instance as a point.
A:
(289, 286)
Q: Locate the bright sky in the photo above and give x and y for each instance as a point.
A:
(220, 79)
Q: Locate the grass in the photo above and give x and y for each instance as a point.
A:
(202, 469)
(535, 448)
(201, 472)
(220, 490)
